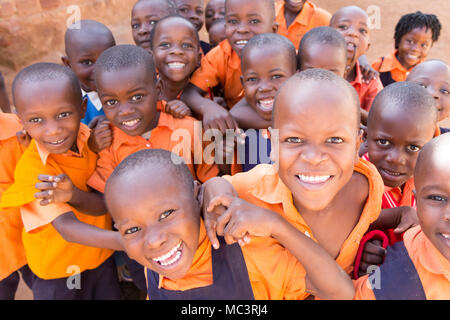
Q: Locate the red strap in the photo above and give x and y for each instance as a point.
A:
(372, 235)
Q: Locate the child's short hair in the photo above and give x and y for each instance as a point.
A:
(270, 3)
(151, 157)
(411, 21)
(170, 5)
(404, 95)
(321, 35)
(270, 40)
(125, 56)
(85, 28)
(152, 34)
(44, 71)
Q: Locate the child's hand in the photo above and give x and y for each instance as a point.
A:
(373, 254)
(242, 220)
(217, 117)
(368, 73)
(101, 134)
(178, 109)
(54, 189)
(23, 137)
(408, 219)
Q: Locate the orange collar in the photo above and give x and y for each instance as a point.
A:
(83, 136)
(391, 62)
(303, 17)
(234, 61)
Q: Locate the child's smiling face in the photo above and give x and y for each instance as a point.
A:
(162, 230)
(193, 10)
(215, 9)
(176, 49)
(414, 46)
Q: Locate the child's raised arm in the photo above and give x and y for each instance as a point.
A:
(213, 115)
(60, 189)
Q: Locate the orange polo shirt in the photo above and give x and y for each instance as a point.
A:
(392, 65)
(12, 252)
(309, 17)
(366, 91)
(221, 66)
(273, 272)
(164, 136)
(432, 267)
(49, 256)
(263, 187)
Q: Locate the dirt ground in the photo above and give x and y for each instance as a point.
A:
(384, 15)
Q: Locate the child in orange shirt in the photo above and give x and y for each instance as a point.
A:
(393, 147)
(144, 16)
(419, 267)
(317, 180)
(164, 232)
(415, 34)
(434, 75)
(176, 51)
(296, 17)
(12, 252)
(84, 42)
(4, 100)
(221, 66)
(353, 23)
(65, 222)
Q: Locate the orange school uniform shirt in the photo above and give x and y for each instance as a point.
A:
(221, 66)
(164, 136)
(49, 256)
(12, 252)
(273, 272)
(308, 18)
(391, 64)
(432, 267)
(263, 187)
(366, 91)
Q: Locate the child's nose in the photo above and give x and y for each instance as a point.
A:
(155, 239)
(313, 155)
(396, 156)
(144, 29)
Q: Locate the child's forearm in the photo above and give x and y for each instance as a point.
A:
(90, 203)
(193, 98)
(75, 231)
(388, 219)
(247, 118)
(324, 277)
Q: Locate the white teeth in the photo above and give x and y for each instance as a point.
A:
(241, 42)
(446, 236)
(130, 123)
(266, 104)
(176, 65)
(57, 142)
(168, 255)
(313, 179)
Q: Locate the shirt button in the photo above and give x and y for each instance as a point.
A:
(147, 145)
(307, 234)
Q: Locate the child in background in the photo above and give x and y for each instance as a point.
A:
(193, 10)
(215, 9)
(65, 222)
(296, 17)
(434, 75)
(418, 267)
(415, 34)
(4, 100)
(12, 253)
(166, 234)
(221, 66)
(317, 180)
(267, 61)
(144, 15)
(403, 119)
(323, 48)
(84, 42)
(353, 23)
(217, 32)
(176, 52)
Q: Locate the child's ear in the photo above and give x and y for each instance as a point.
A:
(275, 27)
(159, 89)
(362, 136)
(65, 61)
(242, 80)
(198, 192)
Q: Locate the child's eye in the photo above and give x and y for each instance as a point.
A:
(343, 27)
(183, 10)
(87, 62)
(137, 97)
(132, 230)
(166, 214)
(232, 21)
(424, 45)
(436, 197)
(251, 79)
(422, 85)
(294, 140)
(445, 91)
(413, 148)
(255, 21)
(363, 31)
(199, 12)
(63, 115)
(135, 26)
(153, 22)
(335, 140)
(187, 45)
(111, 102)
(383, 142)
(164, 45)
(277, 76)
(35, 120)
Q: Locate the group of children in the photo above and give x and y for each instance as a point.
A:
(344, 165)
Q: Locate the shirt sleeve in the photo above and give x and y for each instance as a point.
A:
(34, 215)
(363, 291)
(105, 167)
(209, 72)
(375, 87)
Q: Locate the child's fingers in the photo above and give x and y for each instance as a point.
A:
(210, 226)
(44, 194)
(221, 200)
(372, 258)
(374, 247)
(46, 178)
(44, 186)
(222, 222)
